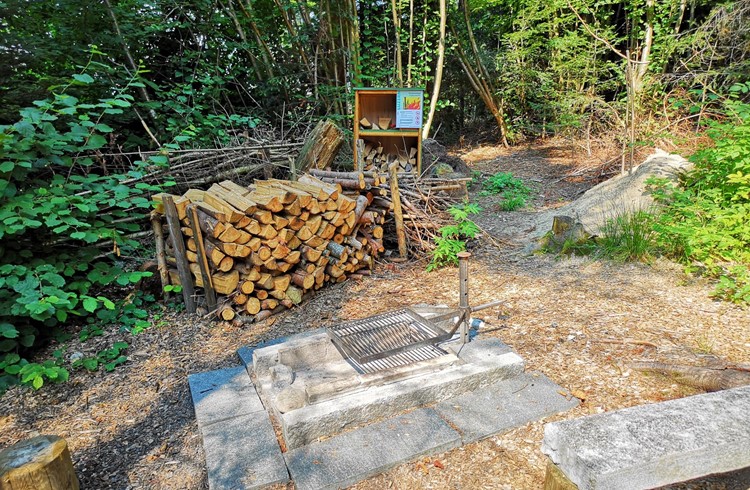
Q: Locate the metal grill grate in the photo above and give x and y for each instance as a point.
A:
(388, 334)
(418, 354)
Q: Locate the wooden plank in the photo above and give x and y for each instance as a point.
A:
(208, 285)
(183, 268)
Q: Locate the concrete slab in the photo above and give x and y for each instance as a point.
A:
(654, 445)
(245, 353)
(223, 394)
(348, 458)
(504, 405)
(491, 361)
(242, 453)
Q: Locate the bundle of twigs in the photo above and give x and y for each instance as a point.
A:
(201, 167)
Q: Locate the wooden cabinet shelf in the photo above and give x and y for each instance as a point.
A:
(383, 146)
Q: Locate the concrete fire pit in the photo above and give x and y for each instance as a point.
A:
(341, 422)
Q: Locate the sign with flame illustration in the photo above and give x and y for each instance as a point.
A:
(409, 105)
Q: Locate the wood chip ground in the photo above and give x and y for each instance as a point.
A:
(577, 320)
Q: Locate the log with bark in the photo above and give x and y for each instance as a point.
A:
(705, 378)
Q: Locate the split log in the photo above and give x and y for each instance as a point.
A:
(321, 147)
(223, 282)
(400, 235)
(225, 312)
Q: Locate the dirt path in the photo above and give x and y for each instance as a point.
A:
(578, 321)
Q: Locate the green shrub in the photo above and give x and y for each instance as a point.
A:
(513, 191)
(63, 221)
(706, 222)
(452, 239)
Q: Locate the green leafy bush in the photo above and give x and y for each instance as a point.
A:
(63, 220)
(452, 239)
(107, 358)
(706, 222)
(512, 189)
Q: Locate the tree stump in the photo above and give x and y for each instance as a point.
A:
(39, 463)
(566, 231)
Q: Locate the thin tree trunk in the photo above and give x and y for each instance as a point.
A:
(241, 32)
(397, 29)
(128, 56)
(645, 58)
(480, 81)
(355, 48)
(438, 72)
(680, 16)
(411, 43)
(293, 35)
(265, 52)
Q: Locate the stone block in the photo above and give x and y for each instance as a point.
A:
(654, 445)
(242, 453)
(504, 406)
(331, 417)
(345, 459)
(223, 394)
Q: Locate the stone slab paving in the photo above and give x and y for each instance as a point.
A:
(223, 394)
(242, 453)
(353, 456)
(654, 445)
(241, 448)
(504, 405)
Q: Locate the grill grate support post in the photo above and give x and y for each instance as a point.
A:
(463, 298)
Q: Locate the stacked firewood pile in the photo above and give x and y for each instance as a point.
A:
(376, 157)
(258, 249)
(411, 208)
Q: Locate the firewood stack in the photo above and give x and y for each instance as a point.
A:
(261, 248)
(378, 159)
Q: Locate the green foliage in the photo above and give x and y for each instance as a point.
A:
(107, 358)
(706, 223)
(452, 239)
(58, 206)
(512, 189)
(14, 369)
(628, 237)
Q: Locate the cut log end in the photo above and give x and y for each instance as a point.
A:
(39, 463)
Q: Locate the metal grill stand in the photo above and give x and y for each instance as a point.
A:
(390, 334)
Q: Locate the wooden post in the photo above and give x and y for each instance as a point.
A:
(208, 285)
(161, 258)
(39, 463)
(397, 213)
(183, 268)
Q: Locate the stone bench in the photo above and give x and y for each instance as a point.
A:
(653, 445)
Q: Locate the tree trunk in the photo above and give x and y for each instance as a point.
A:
(397, 47)
(438, 72)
